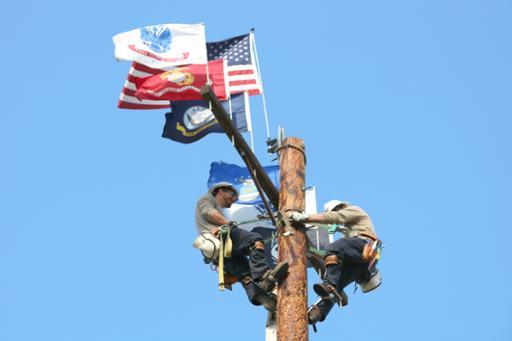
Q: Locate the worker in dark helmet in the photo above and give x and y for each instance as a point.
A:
(247, 262)
(347, 259)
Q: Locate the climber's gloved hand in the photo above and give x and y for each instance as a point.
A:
(232, 224)
(299, 217)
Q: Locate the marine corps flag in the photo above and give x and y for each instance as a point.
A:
(241, 72)
(183, 83)
(190, 121)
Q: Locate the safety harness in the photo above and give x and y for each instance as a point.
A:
(226, 245)
(225, 248)
(372, 251)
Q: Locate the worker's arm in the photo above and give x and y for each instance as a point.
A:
(320, 219)
(334, 217)
(210, 214)
(216, 218)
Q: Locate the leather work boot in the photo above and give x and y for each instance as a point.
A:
(315, 315)
(324, 290)
(268, 301)
(271, 278)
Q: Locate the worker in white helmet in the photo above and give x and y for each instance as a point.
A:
(247, 263)
(347, 259)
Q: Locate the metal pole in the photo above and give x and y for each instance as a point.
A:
(292, 324)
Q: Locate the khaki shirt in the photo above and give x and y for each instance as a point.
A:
(206, 206)
(353, 219)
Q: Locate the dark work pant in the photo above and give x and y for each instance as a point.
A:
(247, 262)
(349, 251)
(352, 268)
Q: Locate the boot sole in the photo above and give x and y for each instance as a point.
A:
(279, 271)
(320, 290)
(314, 315)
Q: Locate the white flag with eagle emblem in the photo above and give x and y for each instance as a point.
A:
(161, 46)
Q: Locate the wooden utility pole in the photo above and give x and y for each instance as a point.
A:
(292, 323)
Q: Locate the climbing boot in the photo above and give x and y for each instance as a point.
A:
(315, 315)
(268, 301)
(271, 319)
(272, 277)
(325, 290)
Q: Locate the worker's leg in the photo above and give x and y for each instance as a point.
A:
(319, 311)
(250, 244)
(339, 255)
(333, 268)
(239, 266)
(352, 272)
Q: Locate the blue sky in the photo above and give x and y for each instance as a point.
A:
(404, 107)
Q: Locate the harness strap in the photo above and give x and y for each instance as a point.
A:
(221, 264)
(226, 246)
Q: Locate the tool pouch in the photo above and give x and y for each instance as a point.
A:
(372, 253)
(368, 252)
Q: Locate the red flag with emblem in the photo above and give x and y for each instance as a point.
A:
(183, 83)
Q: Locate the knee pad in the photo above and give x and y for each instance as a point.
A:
(331, 260)
(258, 245)
(245, 280)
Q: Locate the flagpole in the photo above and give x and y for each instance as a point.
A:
(248, 118)
(252, 141)
(206, 51)
(230, 116)
(253, 41)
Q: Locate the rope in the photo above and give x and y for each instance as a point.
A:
(262, 195)
(331, 228)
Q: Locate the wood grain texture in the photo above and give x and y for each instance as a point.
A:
(292, 324)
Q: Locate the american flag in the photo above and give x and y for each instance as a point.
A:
(241, 65)
(242, 74)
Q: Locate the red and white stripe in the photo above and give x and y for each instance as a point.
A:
(243, 78)
(127, 99)
(240, 77)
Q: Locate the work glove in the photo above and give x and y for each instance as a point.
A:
(298, 216)
(232, 224)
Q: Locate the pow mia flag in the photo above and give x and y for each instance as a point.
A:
(190, 121)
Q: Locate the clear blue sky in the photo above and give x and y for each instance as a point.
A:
(405, 110)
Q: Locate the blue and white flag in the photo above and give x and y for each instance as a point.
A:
(190, 121)
(241, 179)
(161, 46)
(249, 211)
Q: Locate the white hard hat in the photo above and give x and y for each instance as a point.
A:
(372, 283)
(224, 184)
(332, 204)
(208, 244)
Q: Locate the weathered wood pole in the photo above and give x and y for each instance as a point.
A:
(292, 324)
